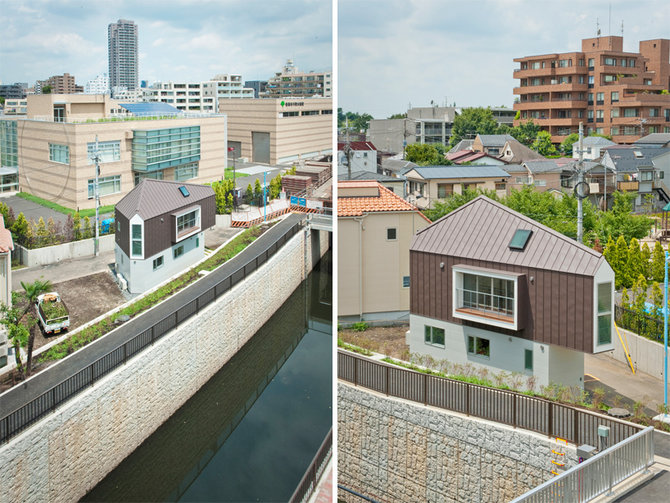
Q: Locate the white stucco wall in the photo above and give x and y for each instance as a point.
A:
(551, 364)
(141, 275)
(605, 273)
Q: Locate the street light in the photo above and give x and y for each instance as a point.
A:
(665, 417)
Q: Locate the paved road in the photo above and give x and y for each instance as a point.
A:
(19, 395)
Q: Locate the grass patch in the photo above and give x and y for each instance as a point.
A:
(355, 349)
(468, 379)
(229, 174)
(62, 209)
(89, 334)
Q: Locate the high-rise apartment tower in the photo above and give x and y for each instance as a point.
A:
(122, 50)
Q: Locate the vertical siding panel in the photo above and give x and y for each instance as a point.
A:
(588, 315)
(431, 286)
(554, 333)
(570, 317)
(579, 313)
(547, 293)
(562, 305)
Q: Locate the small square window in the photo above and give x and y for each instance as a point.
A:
(528, 359)
(391, 234)
(178, 252)
(158, 262)
(434, 336)
(405, 281)
(520, 239)
(479, 346)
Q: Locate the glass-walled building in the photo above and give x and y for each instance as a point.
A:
(9, 156)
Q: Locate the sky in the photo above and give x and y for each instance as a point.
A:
(179, 40)
(395, 52)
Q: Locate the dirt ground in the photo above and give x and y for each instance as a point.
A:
(389, 341)
(86, 298)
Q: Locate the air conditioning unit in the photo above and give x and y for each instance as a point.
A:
(122, 282)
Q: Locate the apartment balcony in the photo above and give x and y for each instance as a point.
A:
(550, 105)
(629, 186)
(642, 99)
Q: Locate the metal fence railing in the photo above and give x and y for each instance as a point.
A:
(645, 325)
(21, 418)
(553, 419)
(309, 481)
(599, 474)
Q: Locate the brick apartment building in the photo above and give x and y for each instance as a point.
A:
(61, 84)
(617, 93)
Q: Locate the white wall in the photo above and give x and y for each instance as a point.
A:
(551, 364)
(65, 251)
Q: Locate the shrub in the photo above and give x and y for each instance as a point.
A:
(359, 326)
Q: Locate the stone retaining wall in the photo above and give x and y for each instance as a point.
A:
(394, 450)
(64, 455)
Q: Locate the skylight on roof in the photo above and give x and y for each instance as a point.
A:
(184, 191)
(520, 239)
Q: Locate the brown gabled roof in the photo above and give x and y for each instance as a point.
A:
(380, 199)
(158, 197)
(482, 230)
(357, 145)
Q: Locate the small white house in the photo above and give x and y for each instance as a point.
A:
(493, 288)
(160, 231)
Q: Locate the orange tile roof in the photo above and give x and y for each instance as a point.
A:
(385, 201)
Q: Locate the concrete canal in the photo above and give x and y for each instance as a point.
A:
(251, 431)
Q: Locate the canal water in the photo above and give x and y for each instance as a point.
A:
(250, 433)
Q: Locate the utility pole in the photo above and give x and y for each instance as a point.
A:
(96, 158)
(580, 180)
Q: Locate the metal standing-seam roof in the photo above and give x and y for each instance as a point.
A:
(158, 197)
(473, 171)
(482, 230)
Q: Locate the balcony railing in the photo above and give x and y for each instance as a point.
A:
(628, 185)
(475, 302)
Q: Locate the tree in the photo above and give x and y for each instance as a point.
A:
(567, 145)
(258, 192)
(46, 90)
(455, 201)
(526, 132)
(645, 260)
(30, 292)
(17, 332)
(636, 267)
(621, 221)
(426, 154)
(398, 116)
(472, 121)
(20, 229)
(542, 144)
(657, 268)
(249, 194)
(76, 226)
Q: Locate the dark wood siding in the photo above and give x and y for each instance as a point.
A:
(158, 231)
(557, 308)
(122, 238)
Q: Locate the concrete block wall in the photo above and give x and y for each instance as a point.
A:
(64, 455)
(394, 450)
(647, 356)
(56, 253)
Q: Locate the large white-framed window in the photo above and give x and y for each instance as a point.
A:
(486, 296)
(187, 223)
(106, 185)
(109, 151)
(59, 153)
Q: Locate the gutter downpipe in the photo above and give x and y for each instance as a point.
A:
(360, 265)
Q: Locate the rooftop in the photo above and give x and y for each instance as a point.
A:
(456, 235)
(356, 198)
(152, 198)
(472, 171)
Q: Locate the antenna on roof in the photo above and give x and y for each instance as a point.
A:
(622, 28)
